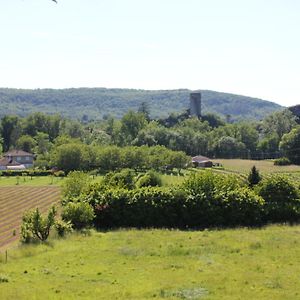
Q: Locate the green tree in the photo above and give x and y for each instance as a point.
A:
(75, 183)
(68, 157)
(10, 131)
(131, 124)
(290, 145)
(254, 177)
(26, 143)
(35, 226)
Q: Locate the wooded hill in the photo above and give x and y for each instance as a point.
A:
(94, 103)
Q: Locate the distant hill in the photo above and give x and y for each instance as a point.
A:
(296, 111)
(95, 103)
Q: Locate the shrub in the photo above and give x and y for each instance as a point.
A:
(122, 179)
(35, 226)
(283, 161)
(59, 174)
(282, 199)
(80, 214)
(151, 178)
(74, 184)
(241, 206)
(62, 228)
(254, 177)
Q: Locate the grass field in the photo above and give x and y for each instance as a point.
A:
(158, 264)
(15, 200)
(28, 181)
(264, 166)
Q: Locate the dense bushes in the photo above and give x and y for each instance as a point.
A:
(151, 178)
(282, 199)
(79, 214)
(205, 199)
(28, 172)
(283, 161)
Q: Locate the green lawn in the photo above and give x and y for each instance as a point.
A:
(158, 264)
(167, 180)
(28, 181)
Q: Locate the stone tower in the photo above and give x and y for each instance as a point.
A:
(195, 104)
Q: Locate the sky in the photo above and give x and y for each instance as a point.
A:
(247, 47)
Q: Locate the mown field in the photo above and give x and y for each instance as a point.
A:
(264, 166)
(15, 200)
(158, 264)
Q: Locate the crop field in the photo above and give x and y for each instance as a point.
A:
(158, 264)
(15, 200)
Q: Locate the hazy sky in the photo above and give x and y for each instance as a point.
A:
(248, 47)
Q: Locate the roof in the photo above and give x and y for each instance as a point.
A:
(8, 162)
(200, 158)
(17, 153)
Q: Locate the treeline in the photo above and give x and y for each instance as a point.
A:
(72, 145)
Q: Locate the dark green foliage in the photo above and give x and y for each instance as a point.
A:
(63, 228)
(123, 179)
(283, 161)
(254, 177)
(28, 172)
(94, 103)
(75, 184)
(204, 200)
(151, 178)
(282, 199)
(26, 143)
(36, 227)
(80, 214)
(290, 145)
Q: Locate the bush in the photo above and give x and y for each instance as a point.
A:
(283, 161)
(204, 200)
(241, 206)
(30, 172)
(62, 228)
(282, 199)
(254, 177)
(35, 226)
(74, 184)
(151, 178)
(59, 174)
(122, 179)
(80, 214)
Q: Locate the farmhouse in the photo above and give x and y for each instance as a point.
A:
(16, 160)
(202, 161)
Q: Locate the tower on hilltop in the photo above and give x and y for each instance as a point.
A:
(195, 104)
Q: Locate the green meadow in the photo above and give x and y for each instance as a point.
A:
(158, 264)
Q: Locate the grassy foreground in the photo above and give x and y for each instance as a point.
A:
(158, 264)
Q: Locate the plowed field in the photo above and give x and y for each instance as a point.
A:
(14, 201)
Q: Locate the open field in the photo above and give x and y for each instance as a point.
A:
(158, 264)
(28, 181)
(15, 200)
(264, 166)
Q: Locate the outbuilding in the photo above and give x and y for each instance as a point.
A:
(200, 161)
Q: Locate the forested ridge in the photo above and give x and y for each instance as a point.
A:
(96, 103)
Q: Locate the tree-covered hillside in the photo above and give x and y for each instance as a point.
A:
(94, 103)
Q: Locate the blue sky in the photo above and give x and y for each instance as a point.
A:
(246, 47)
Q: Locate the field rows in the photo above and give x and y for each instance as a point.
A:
(14, 201)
